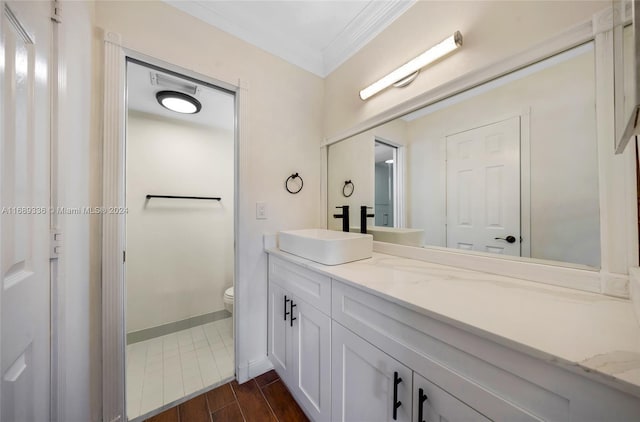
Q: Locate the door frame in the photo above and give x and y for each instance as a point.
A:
(113, 225)
(525, 173)
(399, 217)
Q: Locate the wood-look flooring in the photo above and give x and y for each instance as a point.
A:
(264, 398)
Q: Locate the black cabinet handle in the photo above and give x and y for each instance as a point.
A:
(396, 404)
(286, 300)
(422, 397)
(292, 318)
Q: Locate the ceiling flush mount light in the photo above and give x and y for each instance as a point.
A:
(178, 102)
(406, 73)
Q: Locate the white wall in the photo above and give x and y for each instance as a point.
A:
(281, 128)
(179, 252)
(492, 30)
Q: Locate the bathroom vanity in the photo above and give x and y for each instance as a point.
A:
(391, 338)
(485, 171)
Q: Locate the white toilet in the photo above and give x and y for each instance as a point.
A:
(228, 299)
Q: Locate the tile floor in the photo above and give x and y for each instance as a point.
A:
(164, 369)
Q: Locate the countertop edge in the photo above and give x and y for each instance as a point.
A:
(575, 367)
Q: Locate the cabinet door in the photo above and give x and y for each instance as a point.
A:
(279, 337)
(364, 381)
(434, 404)
(312, 360)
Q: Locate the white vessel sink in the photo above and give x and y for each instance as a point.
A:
(327, 247)
(408, 237)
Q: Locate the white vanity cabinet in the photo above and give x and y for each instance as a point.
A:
(465, 377)
(369, 385)
(299, 342)
(354, 354)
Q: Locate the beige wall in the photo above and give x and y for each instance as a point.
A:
(179, 252)
(492, 30)
(282, 131)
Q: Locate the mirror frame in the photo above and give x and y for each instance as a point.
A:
(627, 125)
(617, 173)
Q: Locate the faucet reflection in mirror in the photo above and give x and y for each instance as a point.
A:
(406, 73)
(364, 214)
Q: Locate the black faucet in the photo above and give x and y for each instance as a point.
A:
(363, 218)
(344, 216)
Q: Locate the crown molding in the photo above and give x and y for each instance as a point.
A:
(287, 48)
(372, 20)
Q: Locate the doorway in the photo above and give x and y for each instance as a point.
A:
(180, 225)
(483, 188)
(385, 176)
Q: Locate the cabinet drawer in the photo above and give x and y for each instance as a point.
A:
(313, 288)
(438, 352)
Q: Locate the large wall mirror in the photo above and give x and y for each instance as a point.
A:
(509, 167)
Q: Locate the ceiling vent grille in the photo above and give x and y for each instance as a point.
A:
(164, 81)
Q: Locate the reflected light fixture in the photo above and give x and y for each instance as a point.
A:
(178, 102)
(406, 73)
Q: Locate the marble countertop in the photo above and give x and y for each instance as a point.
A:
(594, 334)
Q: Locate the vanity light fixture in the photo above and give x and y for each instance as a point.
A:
(406, 73)
(389, 161)
(178, 102)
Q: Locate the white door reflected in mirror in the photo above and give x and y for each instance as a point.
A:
(483, 188)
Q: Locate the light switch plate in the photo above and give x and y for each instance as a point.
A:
(261, 210)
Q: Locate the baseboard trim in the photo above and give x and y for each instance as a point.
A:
(253, 369)
(172, 327)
